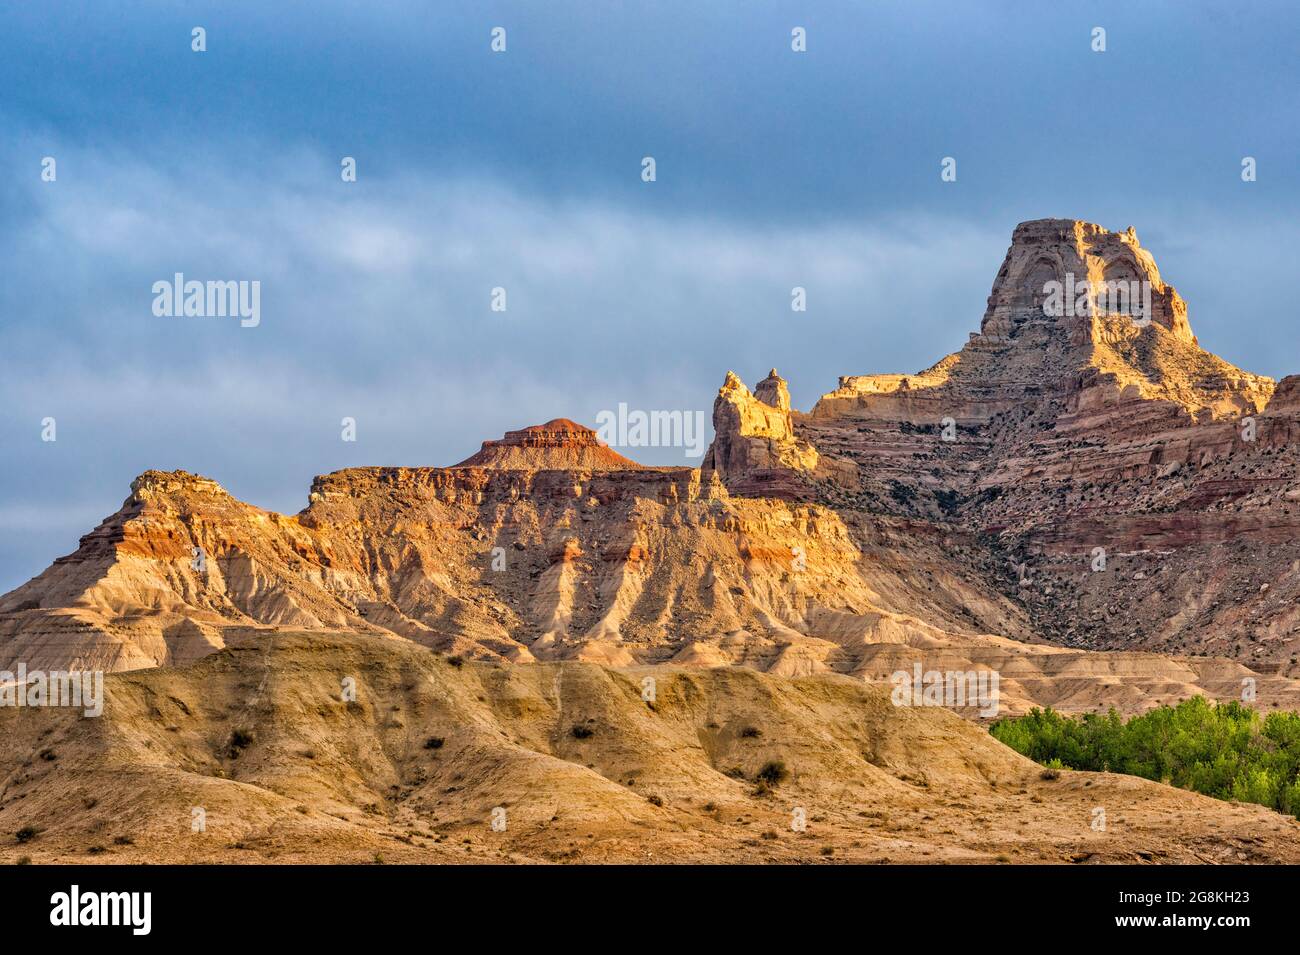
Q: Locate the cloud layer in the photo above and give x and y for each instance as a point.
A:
(520, 171)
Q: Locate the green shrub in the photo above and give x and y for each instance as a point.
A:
(1227, 750)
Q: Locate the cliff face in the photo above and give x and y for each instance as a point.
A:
(1113, 344)
(620, 567)
(953, 517)
(1098, 429)
(615, 565)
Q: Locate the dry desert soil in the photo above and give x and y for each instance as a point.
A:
(573, 764)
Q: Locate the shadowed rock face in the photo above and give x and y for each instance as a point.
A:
(952, 517)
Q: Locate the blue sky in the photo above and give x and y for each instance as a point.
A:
(522, 170)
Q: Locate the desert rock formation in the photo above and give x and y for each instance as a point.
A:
(954, 517)
(1080, 432)
(558, 445)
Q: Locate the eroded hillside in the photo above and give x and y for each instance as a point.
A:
(256, 754)
(1065, 483)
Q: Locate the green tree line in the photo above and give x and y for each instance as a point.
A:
(1224, 750)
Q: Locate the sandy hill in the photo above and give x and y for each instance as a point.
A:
(280, 768)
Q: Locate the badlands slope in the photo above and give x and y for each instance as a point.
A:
(623, 567)
(260, 740)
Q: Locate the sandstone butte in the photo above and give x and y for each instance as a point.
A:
(851, 539)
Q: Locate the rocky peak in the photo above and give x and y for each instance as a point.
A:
(1079, 322)
(754, 448)
(153, 485)
(1083, 259)
(773, 391)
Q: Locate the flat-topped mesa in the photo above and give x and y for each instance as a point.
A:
(558, 445)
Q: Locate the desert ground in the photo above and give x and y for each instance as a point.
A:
(573, 763)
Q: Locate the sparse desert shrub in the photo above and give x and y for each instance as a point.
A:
(772, 774)
(24, 860)
(240, 739)
(434, 742)
(751, 732)
(455, 662)
(123, 841)
(654, 800)
(582, 732)
(26, 833)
